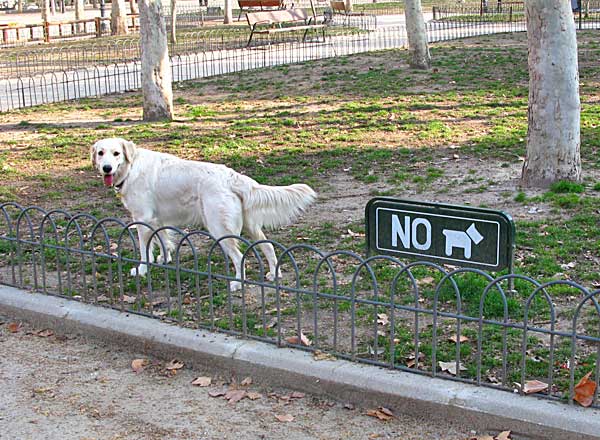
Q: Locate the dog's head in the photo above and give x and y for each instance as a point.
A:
(112, 157)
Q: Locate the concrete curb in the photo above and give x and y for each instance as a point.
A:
(477, 407)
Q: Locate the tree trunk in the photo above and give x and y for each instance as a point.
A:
(418, 50)
(553, 137)
(80, 14)
(348, 5)
(173, 21)
(133, 7)
(228, 18)
(118, 18)
(156, 69)
(20, 6)
(45, 10)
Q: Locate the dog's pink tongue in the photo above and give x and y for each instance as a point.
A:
(108, 179)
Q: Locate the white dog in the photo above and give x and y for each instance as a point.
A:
(163, 190)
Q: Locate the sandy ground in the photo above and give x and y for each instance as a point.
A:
(63, 387)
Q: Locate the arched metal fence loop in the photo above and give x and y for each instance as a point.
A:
(593, 297)
(187, 238)
(48, 219)
(496, 283)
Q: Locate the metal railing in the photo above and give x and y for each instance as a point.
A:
(462, 324)
(75, 71)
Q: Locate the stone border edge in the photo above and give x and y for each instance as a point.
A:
(479, 408)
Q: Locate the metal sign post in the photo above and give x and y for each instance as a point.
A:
(445, 234)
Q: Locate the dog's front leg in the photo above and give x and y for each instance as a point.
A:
(146, 251)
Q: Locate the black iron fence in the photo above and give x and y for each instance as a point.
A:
(509, 332)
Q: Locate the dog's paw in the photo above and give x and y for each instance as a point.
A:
(271, 277)
(141, 270)
(234, 286)
(164, 260)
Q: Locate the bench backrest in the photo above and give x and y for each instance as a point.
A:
(338, 6)
(272, 17)
(260, 3)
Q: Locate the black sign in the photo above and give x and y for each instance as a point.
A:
(449, 234)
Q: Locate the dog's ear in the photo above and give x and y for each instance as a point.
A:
(93, 155)
(129, 150)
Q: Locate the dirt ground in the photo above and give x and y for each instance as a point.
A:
(63, 387)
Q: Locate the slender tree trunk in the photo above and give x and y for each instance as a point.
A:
(20, 6)
(133, 7)
(118, 18)
(418, 50)
(156, 68)
(80, 14)
(228, 19)
(553, 136)
(348, 5)
(173, 21)
(45, 10)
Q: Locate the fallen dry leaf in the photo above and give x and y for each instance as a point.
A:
(137, 365)
(504, 435)
(297, 395)
(450, 367)
(303, 340)
(252, 395)
(234, 396)
(14, 327)
(534, 386)
(247, 381)
(128, 299)
(216, 393)
(382, 319)
(319, 355)
(285, 417)
(202, 381)
(454, 338)
(425, 281)
(411, 361)
(46, 333)
(174, 365)
(584, 390)
(382, 413)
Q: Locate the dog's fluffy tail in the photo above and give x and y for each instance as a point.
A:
(273, 206)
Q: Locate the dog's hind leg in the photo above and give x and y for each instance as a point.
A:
(165, 245)
(220, 227)
(256, 234)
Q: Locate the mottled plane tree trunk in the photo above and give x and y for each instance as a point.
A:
(553, 134)
(418, 50)
(80, 14)
(228, 19)
(118, 18)
(156, 69)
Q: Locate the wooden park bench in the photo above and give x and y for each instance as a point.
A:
(261, 5)
(286, 20)
(339, 7)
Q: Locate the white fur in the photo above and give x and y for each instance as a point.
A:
(163, 190)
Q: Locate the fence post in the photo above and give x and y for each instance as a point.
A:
(434, 9)
(510, 14)
(98, 27)
(46, 31)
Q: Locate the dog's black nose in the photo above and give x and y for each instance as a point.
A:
(107, 169)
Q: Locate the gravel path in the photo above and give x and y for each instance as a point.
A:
(63, 387)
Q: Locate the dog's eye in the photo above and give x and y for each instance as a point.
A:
(116, 153)
(100, 153)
